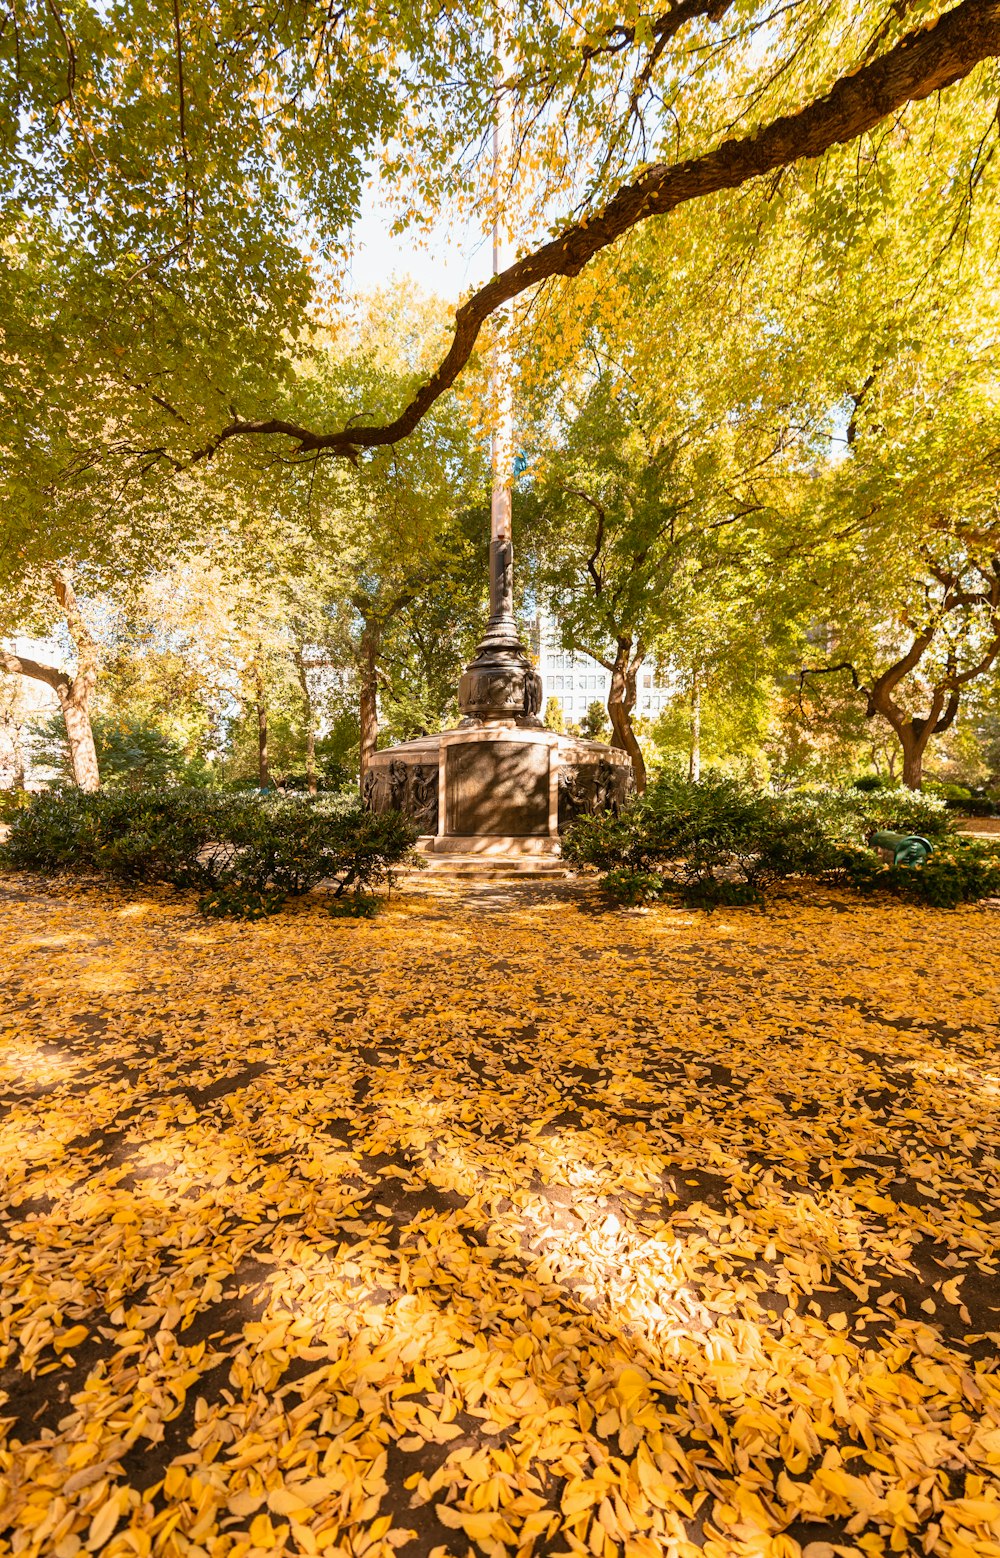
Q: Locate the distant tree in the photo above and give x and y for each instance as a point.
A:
(129, 753)
(594, 726)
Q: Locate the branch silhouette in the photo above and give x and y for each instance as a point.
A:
(927, 60)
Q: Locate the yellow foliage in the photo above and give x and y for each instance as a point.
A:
(628, 1242)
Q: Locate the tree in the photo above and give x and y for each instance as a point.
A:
(648, 510)
(921, 63)
(594, 725)
(196, 232)
(74, 689)
(899, 541)
(129, 752)
(386, 549)
(952, 639)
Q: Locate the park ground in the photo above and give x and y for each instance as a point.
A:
(501, 1223)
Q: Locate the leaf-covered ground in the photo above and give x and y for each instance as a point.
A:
(499, 1224)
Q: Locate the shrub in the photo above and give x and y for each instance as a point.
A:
(866, 782)
(958, 871)
(246, 853)
(715, 895)
(13, 801)
(972, 806)
(718, 830)
(720, 841)
(633, 887)
(848, 816)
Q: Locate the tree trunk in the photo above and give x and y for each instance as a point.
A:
(75, 700)
(311, 781)
(914, 736)
(263, 771)
(370, 642)
(621, 702)
(913, 768)
(80, 735)
(694, 759)
(13, 722)
(74, 692)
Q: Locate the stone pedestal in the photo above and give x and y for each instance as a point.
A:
(497, 789)
(500, 783)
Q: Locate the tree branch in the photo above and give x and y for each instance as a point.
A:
(22, 665)
(925, 61)
(592, 569)
(84, 642)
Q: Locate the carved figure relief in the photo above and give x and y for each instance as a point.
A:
(369, 790)
(532, 693)
(575, 796)
(424, 793)
(398, 775)
(605, 787)
(594, 789)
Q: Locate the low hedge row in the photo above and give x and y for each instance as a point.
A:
(245, 854)
(719, 841)
(972, 805)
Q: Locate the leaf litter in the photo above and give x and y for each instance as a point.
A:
(498, 1226)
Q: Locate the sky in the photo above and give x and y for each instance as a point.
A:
(451, 259)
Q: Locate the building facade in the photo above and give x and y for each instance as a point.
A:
(578, 681)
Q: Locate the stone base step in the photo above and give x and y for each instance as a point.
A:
(491, 867)
(492, 846)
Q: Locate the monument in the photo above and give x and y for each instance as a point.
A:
(499, 783)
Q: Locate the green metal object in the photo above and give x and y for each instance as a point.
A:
(903, 849)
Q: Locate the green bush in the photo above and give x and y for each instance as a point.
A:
(697, 836)
(245, 853)
(722, 842)
(130, 752)
(849, 816)
(715, 895)
(11, 802)
(972, 806)
(957, 871)
(866, 782)
(633, 887)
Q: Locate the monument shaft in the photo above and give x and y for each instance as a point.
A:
(500, 782)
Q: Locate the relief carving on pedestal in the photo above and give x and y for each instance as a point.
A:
(424, 798)
(369, 791)
(411, 788)
(591, 790)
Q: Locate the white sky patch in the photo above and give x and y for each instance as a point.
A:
(446, 262)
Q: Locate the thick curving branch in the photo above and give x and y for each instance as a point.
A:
(925, 61)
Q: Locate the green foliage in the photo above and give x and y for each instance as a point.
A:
(868, 782)
(850, 815)
(631, 886)
(246, 853)
(722, 841)
(973, 806)
(706, 833)
(595, 725)
(959, 870)
(13, 801)
(357, 906)
(710, 893)
(132, 752)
